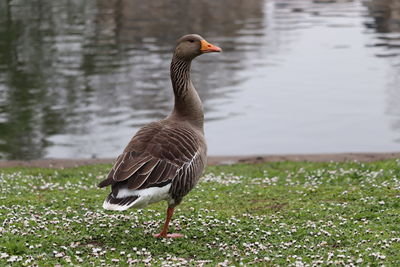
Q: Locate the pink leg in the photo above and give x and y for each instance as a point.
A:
(164, 232)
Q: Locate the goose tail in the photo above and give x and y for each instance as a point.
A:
(119, 204)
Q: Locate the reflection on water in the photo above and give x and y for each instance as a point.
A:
(385, 15)
(78, 78)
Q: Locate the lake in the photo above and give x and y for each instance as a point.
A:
(79, 78)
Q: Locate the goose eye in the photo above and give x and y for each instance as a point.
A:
(192, 41)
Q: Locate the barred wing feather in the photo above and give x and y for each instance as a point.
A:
(159, 154)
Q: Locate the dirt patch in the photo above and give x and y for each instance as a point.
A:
(277, 206)
(268, 203)
(54, 163)
(214, 160)
(340, 157)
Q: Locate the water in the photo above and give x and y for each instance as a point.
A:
(78, 78)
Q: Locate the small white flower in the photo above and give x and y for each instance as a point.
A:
(12, 259)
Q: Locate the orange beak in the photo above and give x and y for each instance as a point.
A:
(206, 47)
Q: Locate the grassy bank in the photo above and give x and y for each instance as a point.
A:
(272, 214)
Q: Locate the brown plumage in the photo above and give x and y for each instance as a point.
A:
(165, 159)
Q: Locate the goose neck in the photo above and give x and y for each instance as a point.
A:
(180, 75)
(188, 105)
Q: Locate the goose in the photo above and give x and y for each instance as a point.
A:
(165, 159)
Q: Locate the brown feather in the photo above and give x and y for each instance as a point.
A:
(149, 166)
(130, 167)
(156, 174)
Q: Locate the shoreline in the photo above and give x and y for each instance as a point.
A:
(214, 160)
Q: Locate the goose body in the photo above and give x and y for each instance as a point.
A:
(165, 159)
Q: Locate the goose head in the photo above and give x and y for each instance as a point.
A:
(192, 45)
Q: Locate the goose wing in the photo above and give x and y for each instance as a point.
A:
(156, 155)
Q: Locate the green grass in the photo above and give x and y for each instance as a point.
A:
(269, 214)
